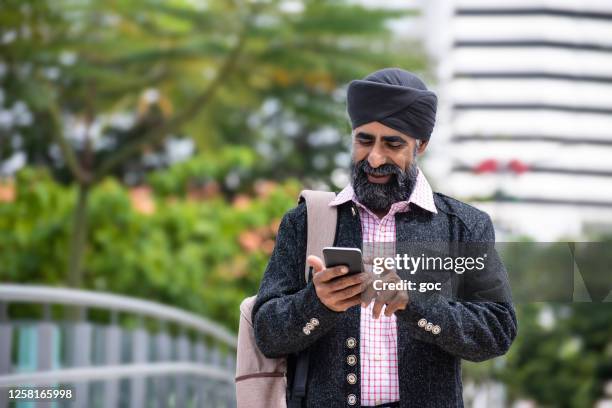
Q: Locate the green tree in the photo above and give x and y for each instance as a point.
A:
(99, 85)
(563, 354)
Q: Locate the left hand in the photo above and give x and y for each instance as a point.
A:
(393, 299)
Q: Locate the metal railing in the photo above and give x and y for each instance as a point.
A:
(111, 364)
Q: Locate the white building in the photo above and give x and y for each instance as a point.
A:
(525, 117)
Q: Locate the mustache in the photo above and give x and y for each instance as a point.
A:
(386, 169)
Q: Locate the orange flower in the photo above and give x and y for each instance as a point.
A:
(263, 188)
(250, 240)
(241, 202)
(7, 192)
(142, 200)
(207, 191)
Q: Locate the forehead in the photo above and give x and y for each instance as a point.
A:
(377, 129)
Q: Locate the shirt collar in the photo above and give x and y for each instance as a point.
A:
(421, 195)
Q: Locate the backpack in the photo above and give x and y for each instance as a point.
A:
(263, 382)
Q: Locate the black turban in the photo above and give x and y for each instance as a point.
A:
(397, 99)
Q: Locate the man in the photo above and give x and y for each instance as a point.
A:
(367, 348)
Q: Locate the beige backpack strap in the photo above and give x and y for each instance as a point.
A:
(322, 219)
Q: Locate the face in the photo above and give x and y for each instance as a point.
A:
(383, 167)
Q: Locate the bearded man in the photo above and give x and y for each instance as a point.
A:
(369, 348)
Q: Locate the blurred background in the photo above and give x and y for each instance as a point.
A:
(149, 149)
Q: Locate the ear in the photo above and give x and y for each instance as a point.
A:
(421, 146)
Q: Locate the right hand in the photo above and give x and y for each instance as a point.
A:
(336, 291)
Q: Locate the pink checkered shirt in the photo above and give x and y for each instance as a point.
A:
(378, 345)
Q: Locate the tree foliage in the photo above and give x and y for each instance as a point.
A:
(116, 78)
(563, 354)
(195, 250)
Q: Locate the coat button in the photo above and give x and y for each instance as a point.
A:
(436, 329)
(306, 331)
(314, 321)
(351, 399)
(422, 322)
(351, 378)
(310, 326)
(428, 326)
(351, 360)
(351, 342)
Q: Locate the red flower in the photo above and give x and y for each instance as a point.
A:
(487, 166)
(518, 166)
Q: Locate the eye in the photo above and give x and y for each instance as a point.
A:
(395, 145)
(365, 142)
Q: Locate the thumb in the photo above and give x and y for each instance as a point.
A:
(316, 263)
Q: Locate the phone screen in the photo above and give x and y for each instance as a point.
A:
(351, 257)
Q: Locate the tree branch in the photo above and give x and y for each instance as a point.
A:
(156, 134)
(67, 152)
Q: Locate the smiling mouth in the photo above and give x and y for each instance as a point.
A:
(379, 179)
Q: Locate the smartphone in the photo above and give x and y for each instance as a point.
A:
(351, 257)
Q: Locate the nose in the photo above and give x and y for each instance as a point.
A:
(376, 158)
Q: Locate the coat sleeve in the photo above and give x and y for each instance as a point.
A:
(472, 330)
(284, 303)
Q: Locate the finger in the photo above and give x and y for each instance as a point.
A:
(349, 292)
(378, 305)
(346, 281)
(350, 302)
(394, 306)
(398, 302)
(405, 299)
(401, 298)
(328, 274)
(386, 296)
(391, 308)
(316, 263)
(368, 294)
(398, 297)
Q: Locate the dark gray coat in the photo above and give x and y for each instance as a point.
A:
(429, 365)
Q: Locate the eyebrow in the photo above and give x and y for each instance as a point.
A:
(391, 138)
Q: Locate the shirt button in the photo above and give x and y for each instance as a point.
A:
(377, 356)
(351, 399)
(351, 342)
(436, 329)
(351, 378)
(306, 331)
(429, 326)
(351, 360)
(310, 326)
(422, 322)
(314, 321)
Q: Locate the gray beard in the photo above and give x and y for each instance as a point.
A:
(380, 197)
